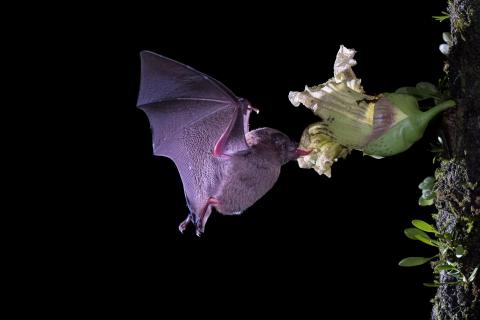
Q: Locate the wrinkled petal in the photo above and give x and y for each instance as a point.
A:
(342, 68)
(325, 151)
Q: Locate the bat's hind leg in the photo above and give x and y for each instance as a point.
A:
(190, 218)
(204, 215)
(199, 220)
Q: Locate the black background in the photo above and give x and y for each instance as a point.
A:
(311, 245)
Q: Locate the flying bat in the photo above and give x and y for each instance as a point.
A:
(203, 127)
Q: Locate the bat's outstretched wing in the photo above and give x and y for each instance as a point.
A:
(191, 116)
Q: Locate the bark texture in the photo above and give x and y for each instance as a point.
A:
(457, 187)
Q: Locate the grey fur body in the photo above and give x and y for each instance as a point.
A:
(239, 180)
(245, 178)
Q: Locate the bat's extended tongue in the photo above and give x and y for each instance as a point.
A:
(302, 152)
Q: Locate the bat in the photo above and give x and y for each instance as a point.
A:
(202, 126)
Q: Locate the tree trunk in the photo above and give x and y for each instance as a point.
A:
(457, 187)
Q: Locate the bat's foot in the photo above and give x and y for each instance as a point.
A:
(200, 220)
(204, 215)
(199, 227)
(182, 226)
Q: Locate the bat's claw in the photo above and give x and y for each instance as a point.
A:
(203, 217)
(199, 227)
(253, 109)
(182, 226)
(200, 220)
(199, 231)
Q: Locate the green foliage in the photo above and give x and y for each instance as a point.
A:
(422, 225)
(417, 234)
(427, 200)
(428, 195)
(422, 91)
(450, 252)
(414, 261)
(427, 183)
(443, 17)
(437, 284)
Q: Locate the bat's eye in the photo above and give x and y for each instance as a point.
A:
(278, 139)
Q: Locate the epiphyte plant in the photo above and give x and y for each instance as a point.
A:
(450, 251)
(380, 126)
(449, 257)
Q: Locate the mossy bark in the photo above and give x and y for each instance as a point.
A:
(458, 187)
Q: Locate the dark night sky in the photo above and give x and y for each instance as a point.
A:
(311, 244)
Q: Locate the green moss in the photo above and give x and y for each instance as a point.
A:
(461, 20)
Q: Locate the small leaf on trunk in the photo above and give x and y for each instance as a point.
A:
(413, 261)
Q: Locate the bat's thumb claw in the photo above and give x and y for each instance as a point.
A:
(257, 111)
